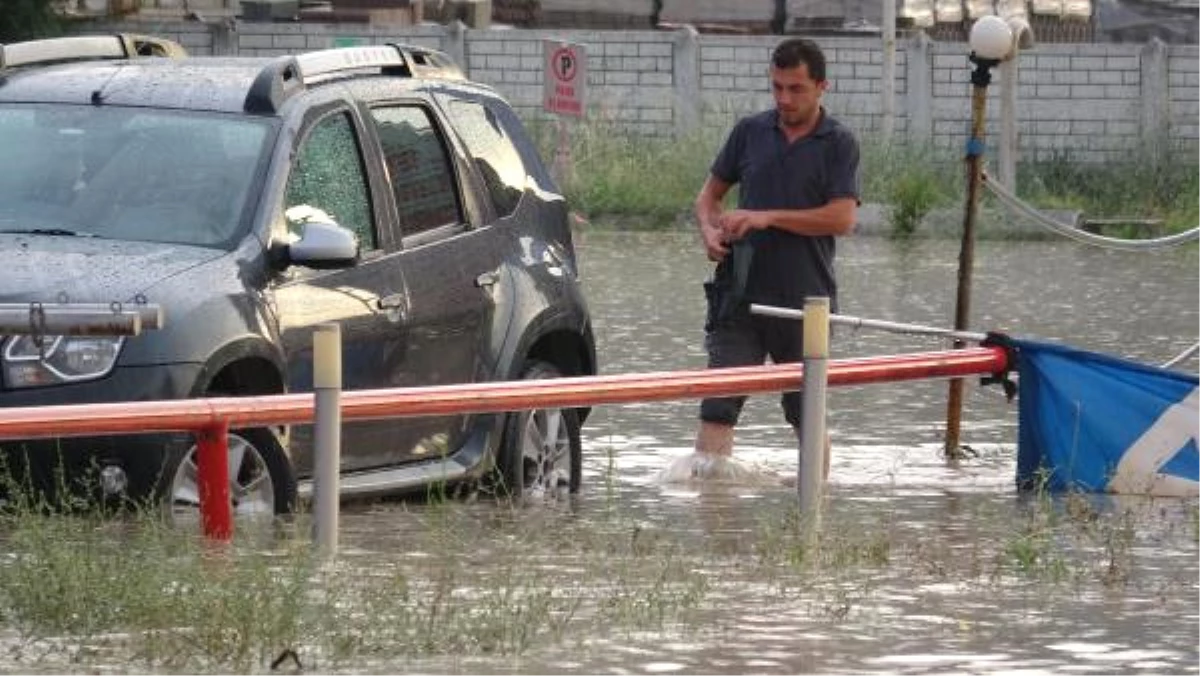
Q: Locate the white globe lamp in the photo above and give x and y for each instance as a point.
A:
(991, 38)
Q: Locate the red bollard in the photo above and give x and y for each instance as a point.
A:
(212, 480)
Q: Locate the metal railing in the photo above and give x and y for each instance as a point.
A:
(209, 419)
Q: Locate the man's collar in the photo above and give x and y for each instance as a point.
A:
(825, 125)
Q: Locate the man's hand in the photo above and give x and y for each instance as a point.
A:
(708, 215)
(714, 243)
(740, 222)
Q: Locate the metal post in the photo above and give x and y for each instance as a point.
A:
(563, 166)
(327, 433)
(980, 79)
(811, 467)
(78, 319)
(212, 480)
(889, 70)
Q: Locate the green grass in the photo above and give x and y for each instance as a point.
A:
(1140, 189)
(489, 581)
(651, 182)
(654, 179)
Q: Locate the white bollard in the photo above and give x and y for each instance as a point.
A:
(327, 435)
(811, 468)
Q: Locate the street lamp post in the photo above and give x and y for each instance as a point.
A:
(991, 41)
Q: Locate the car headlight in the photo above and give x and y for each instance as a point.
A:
(61, 359)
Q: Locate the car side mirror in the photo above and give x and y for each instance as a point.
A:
(324, 245)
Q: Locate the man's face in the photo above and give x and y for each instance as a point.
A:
(797, 94)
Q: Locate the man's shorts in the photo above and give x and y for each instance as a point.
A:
(747, 340)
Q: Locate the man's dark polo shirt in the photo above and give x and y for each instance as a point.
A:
(771, 174)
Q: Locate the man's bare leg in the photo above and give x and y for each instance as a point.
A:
(714, 452)
(712, 457)
(714, 439)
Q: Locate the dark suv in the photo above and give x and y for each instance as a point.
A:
(253, 199)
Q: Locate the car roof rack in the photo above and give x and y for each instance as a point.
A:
(87, 48)
(391, 59)
(285, 75)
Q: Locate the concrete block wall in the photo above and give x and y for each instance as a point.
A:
(274, 39)
(1082, 100)
(1089, 102)
(734, 80)
(630, 74)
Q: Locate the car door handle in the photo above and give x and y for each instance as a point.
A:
(487, 280)
(395, 305)
(553, 262)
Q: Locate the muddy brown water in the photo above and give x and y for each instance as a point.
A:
(939, 604)
(934, 568)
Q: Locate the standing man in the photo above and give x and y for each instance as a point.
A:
(797, 172)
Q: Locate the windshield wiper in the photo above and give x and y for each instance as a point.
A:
(53, 232)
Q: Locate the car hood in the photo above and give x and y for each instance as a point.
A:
(72, 269)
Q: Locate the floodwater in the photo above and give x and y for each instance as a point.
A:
(1121, 597)
(922, 567)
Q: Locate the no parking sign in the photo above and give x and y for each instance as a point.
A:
(565, 78)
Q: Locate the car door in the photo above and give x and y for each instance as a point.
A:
(329, 181)
(452, 265)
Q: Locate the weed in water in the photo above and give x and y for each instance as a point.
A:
(610, 478)
(1194, 522)
(1117, 543)
(912, 195)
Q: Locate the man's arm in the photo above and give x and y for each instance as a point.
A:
(708, 215)
(835, 218)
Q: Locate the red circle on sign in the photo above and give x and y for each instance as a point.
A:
(564, 64)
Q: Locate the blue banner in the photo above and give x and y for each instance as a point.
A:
(1098, 423)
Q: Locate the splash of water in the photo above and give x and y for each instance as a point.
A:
(707, 468)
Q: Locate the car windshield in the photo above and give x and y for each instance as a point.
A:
(127, 173)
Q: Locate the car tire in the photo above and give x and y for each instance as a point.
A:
(541, 451)
(262, 484)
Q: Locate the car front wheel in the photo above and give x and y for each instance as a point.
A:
(261, 482)
(541, 453)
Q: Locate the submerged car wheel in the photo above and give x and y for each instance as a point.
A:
(261, 482)
(541, 454)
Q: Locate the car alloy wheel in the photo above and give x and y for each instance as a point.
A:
(542, 450)
(260, 481)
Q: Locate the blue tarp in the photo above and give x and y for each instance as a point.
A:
(1098, 423)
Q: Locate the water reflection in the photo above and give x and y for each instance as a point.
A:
(936, 606)
(923, 568)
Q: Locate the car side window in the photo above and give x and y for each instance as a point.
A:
(418, 167)
(494, 153)
(328, 181)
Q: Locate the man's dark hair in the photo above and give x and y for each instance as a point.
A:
(795, 51)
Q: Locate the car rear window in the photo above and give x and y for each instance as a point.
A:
(494, 153)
